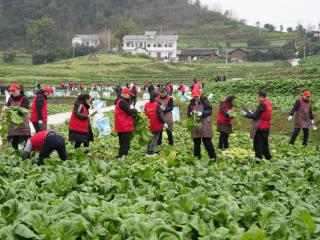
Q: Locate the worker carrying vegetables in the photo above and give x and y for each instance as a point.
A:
(261, 126)
(80, 130)
(304, 118)
(201, 110)
(224, 122)
(166, 103)
(124, 121)
(157, 121)
(39, 110)
(18, 134)
(45, 142)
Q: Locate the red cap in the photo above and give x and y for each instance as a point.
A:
(307, 94)
(127, 91)
(47, 89)
(196, 92)
(14, 87)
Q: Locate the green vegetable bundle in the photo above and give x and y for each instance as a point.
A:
(11, 116)
(193, 121)
(142, 132)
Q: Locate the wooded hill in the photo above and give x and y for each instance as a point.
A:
(120, 16)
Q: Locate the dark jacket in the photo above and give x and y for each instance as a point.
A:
(40, 102)
(207, 107)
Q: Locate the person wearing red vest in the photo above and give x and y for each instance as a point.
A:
(45, 142)
(39, 110)
(182, 89)
(124, 121)
(201, 108)
(18, 134)
(167, 107)
(157, 121)
(80, 130)
(304, 118)
(261, 126)
(224, 122)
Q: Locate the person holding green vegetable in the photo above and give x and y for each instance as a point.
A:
(224, 122)
(18, 134)
(201, 109)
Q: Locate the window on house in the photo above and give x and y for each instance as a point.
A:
(149, 45)
(128, 44)
(166, 45)
(170, 45)
(154, 45)
(141, 45)
(159, 45)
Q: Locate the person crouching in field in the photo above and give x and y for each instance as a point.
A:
(18, 134)
(124, 121)
(304, 118)
(156, 119)
(46, 142)
(39, 110)
(224, 122)
(201, 107)
(167, 107)
(80, 130)
(261, 126)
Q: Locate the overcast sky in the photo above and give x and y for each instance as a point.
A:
(277, 12)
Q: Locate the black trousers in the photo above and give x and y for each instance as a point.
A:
(53, 142)
(78, 144)
(207, 142)
(295, 134)
(124, 142)
(39, 128)
(133, 101)
(15, 140)
(170, 138)
(261, 145)
(223, 141)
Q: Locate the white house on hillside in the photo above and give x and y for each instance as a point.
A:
(86, 40)
(162, 47)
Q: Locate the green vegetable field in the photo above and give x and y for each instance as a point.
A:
(172, 196)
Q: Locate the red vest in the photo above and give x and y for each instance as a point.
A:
(151, 111)
(77, 124)
(182, 89)
(168, 98)
(266, 116)
(223, 119)
(123, 122)
(12, 102)
(38, 140)
(34, 115)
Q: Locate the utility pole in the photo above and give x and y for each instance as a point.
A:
(109, 40)
(304, 52)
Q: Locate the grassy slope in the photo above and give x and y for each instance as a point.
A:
(113, 68)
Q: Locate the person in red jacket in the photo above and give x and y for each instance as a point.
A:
(224, 122)
(21, 133)
(261, 126)
(157, 121)
(46, 142)
(124, 121)
(182, 89)
(39, 110)
(80, 130)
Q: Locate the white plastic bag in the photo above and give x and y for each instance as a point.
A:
(94, 94)
(146, 96)
(104, 127)
(176, 114)
(98, 105)
(97, 118)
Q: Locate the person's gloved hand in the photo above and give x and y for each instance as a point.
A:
(166, 126)
(243, 113)
(163, 108)
(40, 122)
(312, 122)
(290, 118)
(314, 128)
(94, 113)
(199, 114)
